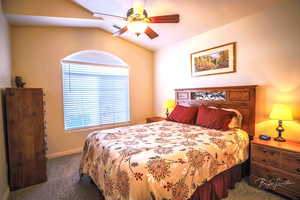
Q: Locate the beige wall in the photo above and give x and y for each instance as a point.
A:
(36, 56)
(53, 8)
(268, 46)
(4, 82)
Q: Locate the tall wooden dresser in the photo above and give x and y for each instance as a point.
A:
(25, 137)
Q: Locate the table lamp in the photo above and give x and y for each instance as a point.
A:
(281, 113)
(168, 104)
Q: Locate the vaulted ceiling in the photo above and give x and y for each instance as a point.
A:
(196, 16)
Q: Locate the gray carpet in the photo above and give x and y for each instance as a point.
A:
(63, 184)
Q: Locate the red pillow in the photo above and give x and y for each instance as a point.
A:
(214, 118)
(183, 114)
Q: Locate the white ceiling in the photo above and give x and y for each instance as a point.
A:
(196, 17)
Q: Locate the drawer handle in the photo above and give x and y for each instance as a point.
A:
(298, 159)
(263, 160)
(298, 170)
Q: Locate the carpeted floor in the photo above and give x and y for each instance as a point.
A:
(63, 184)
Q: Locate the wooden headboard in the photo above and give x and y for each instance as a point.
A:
(241, 98)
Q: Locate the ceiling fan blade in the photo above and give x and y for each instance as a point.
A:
(108, 16)
(165, 19)
(121, 31)
(151, 34)
(116, 26)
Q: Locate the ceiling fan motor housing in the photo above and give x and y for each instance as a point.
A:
(134, 17)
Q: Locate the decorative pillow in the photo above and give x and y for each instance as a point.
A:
(236, 121)
(183, 114)
(214, 118)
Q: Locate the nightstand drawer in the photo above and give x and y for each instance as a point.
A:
(265, 155)
(274, 179)
(275, 166)
(291, 162)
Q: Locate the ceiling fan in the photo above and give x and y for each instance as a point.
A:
(138, 21)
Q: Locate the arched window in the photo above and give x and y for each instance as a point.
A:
(95, 90)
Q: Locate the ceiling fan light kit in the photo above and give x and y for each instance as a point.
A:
(137, 27)
(138, 21)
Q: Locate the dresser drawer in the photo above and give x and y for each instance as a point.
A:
(290, 162)
(275, 180)
(266, 156)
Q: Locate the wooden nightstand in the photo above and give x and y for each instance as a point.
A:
(275, 166)
(154, 119)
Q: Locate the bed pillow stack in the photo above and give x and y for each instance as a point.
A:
(214, 118)
(183, 114)
(207, 117)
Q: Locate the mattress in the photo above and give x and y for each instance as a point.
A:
(161, 160)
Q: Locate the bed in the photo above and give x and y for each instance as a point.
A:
(170, 160)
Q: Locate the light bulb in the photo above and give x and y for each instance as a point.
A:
(137, 27)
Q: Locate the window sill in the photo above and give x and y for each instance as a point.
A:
(101, 127)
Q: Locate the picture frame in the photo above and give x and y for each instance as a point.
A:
(216, 60)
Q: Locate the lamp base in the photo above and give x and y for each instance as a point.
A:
(279, 139)
(279, 129)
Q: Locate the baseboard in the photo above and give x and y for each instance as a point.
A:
(64, 153)
(6, 194)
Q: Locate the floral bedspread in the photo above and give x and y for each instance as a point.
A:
(162, 160)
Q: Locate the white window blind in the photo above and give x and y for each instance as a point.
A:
(94, 95)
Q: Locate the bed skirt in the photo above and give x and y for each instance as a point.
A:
(217, 188)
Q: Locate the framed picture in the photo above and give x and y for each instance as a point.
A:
(217, 60)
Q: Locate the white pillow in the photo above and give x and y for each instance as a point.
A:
(236, 121)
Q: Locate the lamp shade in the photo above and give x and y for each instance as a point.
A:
(169, 103)
(281, 112)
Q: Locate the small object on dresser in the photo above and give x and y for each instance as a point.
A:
(276, 166)
(19, 82)
(281, 112)
(154, 119)
(264, 137)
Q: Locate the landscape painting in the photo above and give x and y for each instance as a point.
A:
(216, 60)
